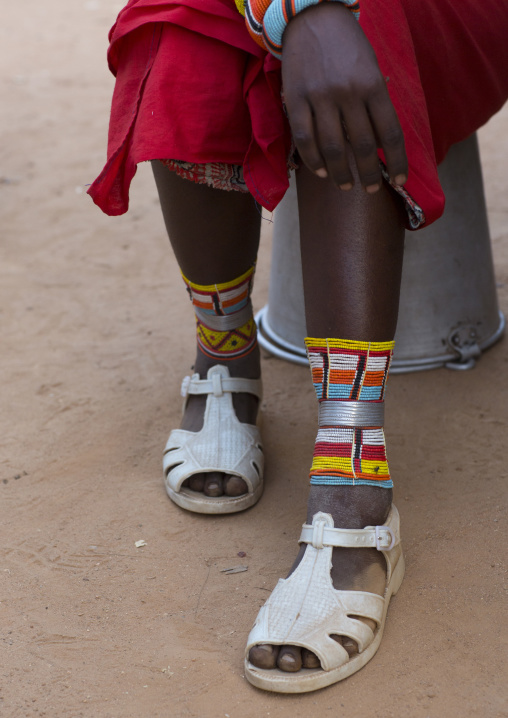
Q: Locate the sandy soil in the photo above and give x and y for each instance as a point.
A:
(96, 333)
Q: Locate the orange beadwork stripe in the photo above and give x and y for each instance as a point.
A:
(258, 39)
(235, 300)
(341, 376)
(259, 8)
(374, 378)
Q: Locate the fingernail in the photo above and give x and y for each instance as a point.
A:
(321, 172)
(372, 188)
(400, 179)
(346, 187)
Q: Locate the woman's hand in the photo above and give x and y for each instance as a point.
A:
(335, 93)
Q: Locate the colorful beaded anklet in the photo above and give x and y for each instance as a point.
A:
(224, 321)
(349, 379)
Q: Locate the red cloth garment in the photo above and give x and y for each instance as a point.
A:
(192, 85)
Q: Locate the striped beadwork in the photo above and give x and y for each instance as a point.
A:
(222, 299)
(267, 19)
(350, 454)
(254, 12)
(345, 370)
(353, 371)
(218, 337)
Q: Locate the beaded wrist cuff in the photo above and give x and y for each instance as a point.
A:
(267, 19)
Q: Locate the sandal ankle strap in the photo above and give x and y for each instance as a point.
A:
(322, 533)
(220, 382)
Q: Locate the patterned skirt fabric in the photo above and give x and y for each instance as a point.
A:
(214, 174)
(193, 87)
(230, 178)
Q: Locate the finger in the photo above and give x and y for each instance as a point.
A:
(390, 136)
(333, 145)
(364, 146)
(304, 137)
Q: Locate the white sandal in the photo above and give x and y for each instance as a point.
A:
(305, 609)
(223, 444)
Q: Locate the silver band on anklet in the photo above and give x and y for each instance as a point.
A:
(225, 322)
(351, 413)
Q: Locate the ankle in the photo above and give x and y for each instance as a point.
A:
(351, 507)
(247, 367)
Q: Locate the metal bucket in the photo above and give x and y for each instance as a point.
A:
(448, 309)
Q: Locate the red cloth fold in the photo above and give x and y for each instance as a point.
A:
(192, 85)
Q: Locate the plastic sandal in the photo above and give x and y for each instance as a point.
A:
(223, 444)
(305, 610)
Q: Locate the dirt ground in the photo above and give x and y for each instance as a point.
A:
(96, 334)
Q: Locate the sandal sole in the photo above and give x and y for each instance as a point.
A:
(196, 502)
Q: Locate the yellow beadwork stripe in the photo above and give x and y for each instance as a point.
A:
(219, 287)
(230, 344)
(231, 340)
(312, 342)
(240, 6)
(329, 463)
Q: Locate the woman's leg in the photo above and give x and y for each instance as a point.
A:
(352, 248)
(215, 238)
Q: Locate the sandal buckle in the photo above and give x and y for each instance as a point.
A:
(318, 534)
(217, 385)
(380, 538)
(185, 386)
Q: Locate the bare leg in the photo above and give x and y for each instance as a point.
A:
(352, 246)
(215, 238)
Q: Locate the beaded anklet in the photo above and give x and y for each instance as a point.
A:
(225, 324)
(349, 379)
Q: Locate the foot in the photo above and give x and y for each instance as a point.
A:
(246, 408)
(353, 569)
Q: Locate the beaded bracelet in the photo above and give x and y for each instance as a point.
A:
(267, 19)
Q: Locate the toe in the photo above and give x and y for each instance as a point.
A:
(290, 659)
(309, 659)
(234, 486)
(350, 645)
(264, 656)
(197, 482)
(213, 484)
(347, 643)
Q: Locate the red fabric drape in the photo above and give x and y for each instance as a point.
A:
(192, 85)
